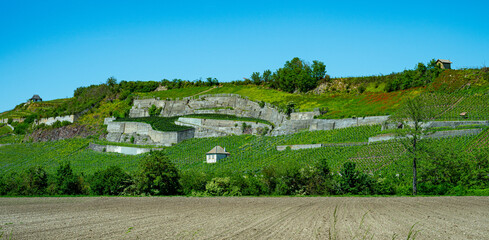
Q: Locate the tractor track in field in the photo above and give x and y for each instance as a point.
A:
(244, 217)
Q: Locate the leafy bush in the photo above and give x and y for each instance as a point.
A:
(221, 186)
(193, 181)
(158, 176)
(67, 182)
(111, 181)
(35, 181)
(154, 111)
(353, 181)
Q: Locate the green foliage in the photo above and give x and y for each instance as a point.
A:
(4, 129)
(158, 176)
(353, 181)
(111, 181)
(221, 186)
(154, 111)
(422, 75)
(297, 75)
(21, 128)
(193, 181)
(158, 123)
(67, 182)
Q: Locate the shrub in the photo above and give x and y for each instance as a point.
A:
(35, 181)
(66, 181)
(193, 181)
(221, 186)
(111, 181)
(158, 176)
(353, 181)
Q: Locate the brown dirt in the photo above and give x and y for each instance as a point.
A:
(244, 218)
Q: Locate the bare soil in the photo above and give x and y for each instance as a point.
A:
(244, 218)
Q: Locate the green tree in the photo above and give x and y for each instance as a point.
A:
(318, 70)
(35, 181)
(353, 181)
(298, 75)
(256, 78)
(111, 81)
(158, 176)
(111, 181)
(412, 115)
(267, 77)
(66, 181)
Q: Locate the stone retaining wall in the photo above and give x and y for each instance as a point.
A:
(217, 128)
(232, 104)
(223, 104)
(52, 120)
(119, 149)
(143, 134)
(438, 134)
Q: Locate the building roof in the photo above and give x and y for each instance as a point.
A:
(36, 97)
(443, 61)
(218, 150)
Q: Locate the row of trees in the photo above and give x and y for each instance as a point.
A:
(156, 176)
(442, 170)
(295, 75)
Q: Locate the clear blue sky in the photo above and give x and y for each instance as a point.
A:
(52, 47)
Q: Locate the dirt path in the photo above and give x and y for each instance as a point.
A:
(203, 91)
(244, 218)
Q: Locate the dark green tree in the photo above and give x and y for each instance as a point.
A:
(111, 181)
(35, 181)
(158, 176)
(353, 181)
(256, 78)
(66, 181)
(318, 70)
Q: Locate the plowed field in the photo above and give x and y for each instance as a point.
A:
(244, 218)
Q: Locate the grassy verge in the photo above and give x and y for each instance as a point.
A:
(174, 93)
(163, 124)
(228, 117)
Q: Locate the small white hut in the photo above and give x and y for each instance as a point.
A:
(216, 154)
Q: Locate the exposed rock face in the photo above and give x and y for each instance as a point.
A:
(71, 131)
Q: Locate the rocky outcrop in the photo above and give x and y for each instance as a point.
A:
(66, 132)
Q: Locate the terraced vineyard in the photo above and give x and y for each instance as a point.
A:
(17, 157)
(248, 153)
(449, 106)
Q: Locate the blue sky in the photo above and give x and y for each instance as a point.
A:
(52, 47)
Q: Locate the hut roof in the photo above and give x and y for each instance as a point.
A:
(443, 61)
(218, 150)
(36, 97)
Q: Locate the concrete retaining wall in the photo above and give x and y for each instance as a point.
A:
(119, 149)
(227, 103)
(232, 104)
(293, 126)
(217, 128)
(52, 120)
(299, 146)
(439, 134)
(143, 134)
